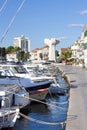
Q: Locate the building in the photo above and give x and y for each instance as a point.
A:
(35, 54)
(45, 52)
(77, 49)
(63, 50)
(40, 53)
(23, 43)
(11, 57)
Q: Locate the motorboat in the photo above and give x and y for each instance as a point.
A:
(38, 79)
(34, 89)
(13, 95)
(21, 71)
(56, 89)
(38, 73)
(13, 99)
(45, 73)
(8, 118)
(39, 94)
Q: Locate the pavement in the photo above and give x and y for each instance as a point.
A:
(77, 111)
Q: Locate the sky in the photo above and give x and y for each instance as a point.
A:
(40, 19)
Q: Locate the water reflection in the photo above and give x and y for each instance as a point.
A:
(46, 117)
(39, 108)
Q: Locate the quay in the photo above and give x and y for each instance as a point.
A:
(77, 111)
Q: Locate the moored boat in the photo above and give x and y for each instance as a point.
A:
(13, 96)
(8, 118)
(26, 83)
(39, 94)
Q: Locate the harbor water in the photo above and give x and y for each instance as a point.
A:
(48, 115)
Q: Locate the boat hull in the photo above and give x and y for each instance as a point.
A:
(38, 94)
(39, 85)
(6, 128)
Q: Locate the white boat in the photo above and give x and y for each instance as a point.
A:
(8, 118)
(30, 86)
(37, 74)
(13, 95)
(13, 98)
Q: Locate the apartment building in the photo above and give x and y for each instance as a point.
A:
(22, 42)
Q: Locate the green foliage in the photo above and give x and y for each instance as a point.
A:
(16, 49)
(41, 56)
(85, 33)
(2, 52)
(21, 55)
(66, 54)
(12, 49)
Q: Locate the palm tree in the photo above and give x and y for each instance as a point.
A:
(66, 55)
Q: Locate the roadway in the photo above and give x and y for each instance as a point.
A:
(77, 112)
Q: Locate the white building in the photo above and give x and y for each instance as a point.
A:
(44, 51)
(34, 54)
(23, 43)
(79, 48)
(77, 51)
(11, 57)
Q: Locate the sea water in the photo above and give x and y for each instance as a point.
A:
(50, 115)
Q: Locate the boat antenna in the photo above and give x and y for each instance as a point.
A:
(12, 20)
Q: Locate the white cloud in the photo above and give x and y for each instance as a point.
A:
(62, 38)
(83, 12)
(76, 25)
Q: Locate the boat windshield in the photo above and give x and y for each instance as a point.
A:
(19, 69)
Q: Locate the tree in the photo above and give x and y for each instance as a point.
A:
(22, 56)
(12, 49)
(2, 51)
(9, 49)
(17, 49)
(65, 55)
(41, 56)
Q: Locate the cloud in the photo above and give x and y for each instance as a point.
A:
(83, 12)
(76, 25)
(62, 38)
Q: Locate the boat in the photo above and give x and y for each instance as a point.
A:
(13, 95)
(21, 71)
(56, 89)
(8, 118)
(33, 88)
(13, 98)
(38, 73)
(45, 74)
(39, 94)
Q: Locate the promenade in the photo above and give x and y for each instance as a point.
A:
(77, 112)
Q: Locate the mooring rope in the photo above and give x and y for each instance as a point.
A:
(49, 104)
(39, 121)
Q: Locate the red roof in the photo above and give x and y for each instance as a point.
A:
(65, 49)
